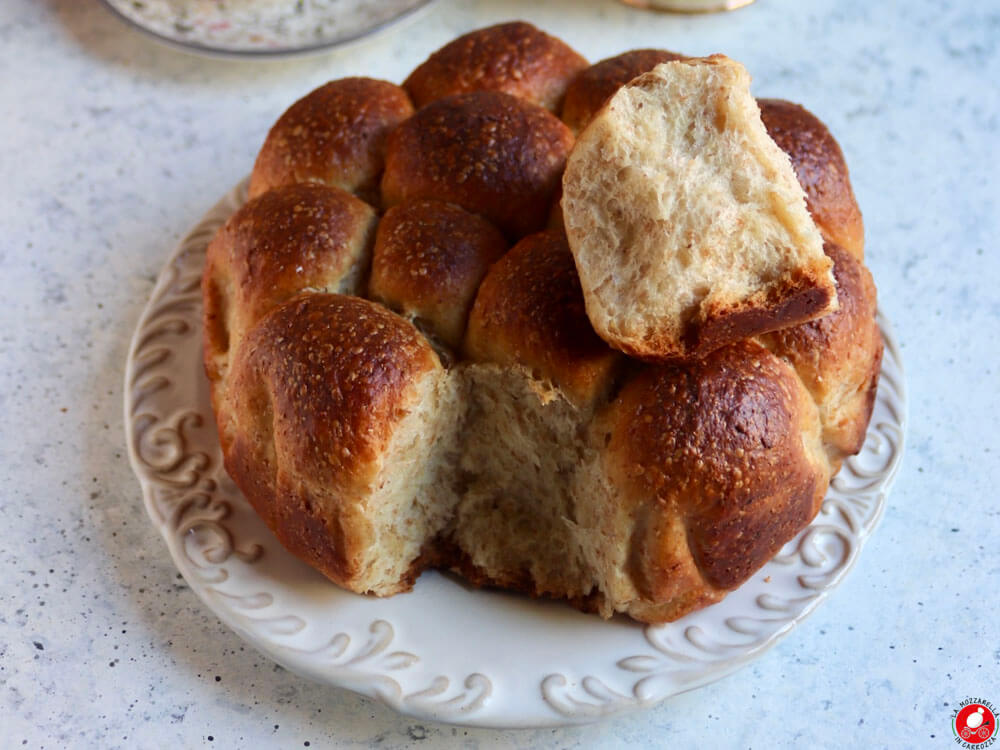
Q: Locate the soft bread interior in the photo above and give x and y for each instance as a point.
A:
(522, 444)
(412, 499)
(680, 209)
(485, 466)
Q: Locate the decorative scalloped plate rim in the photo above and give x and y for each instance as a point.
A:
(447, 652)
(272, 41)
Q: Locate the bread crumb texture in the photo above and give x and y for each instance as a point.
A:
(686, 221)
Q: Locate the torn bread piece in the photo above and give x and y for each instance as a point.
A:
(686, 221)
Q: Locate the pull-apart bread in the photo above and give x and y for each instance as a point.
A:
(409, 370)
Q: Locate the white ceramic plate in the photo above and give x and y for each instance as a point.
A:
(261, 28)
(446, 651)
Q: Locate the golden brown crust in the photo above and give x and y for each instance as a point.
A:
(428, 261)
(838, 356)
(820, 167)
(712, 454)
(315, 392)
(335, 135)
(717, 461)
(800, 298)
(289, 239)
(594, 86)
(488, 152)
(715, 326)
(515, 58)
(529, 312)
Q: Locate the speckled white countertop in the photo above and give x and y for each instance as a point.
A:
(112, 146)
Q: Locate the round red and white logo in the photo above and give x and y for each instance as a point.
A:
(975, 723)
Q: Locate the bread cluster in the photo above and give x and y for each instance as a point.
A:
(405, 376)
